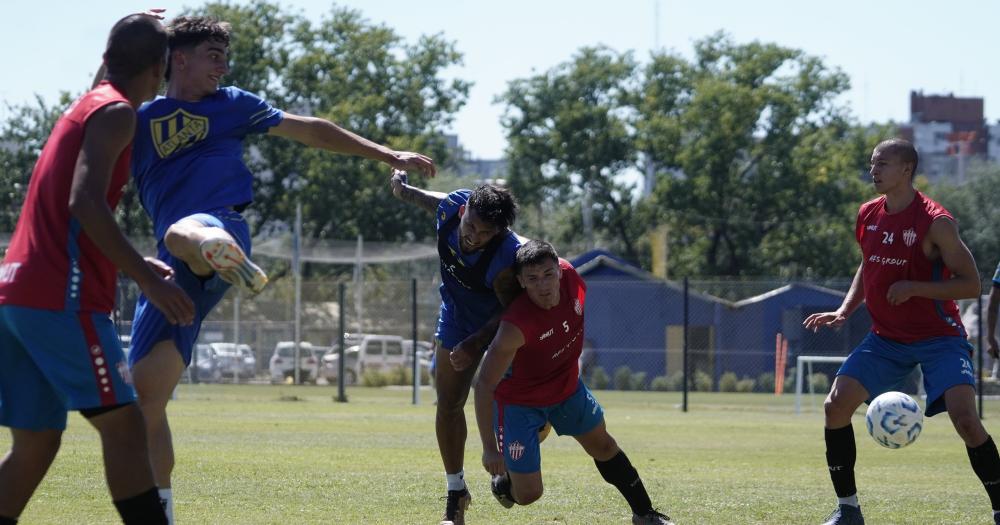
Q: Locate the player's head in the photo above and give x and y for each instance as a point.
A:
(536, 266)
(199, 52)
(489, 212)
(136, 53)
(893, 164)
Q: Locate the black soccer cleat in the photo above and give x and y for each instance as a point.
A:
(455, 506)
(845, 515)
(500, 486)
(653, 517)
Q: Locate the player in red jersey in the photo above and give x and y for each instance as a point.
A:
(914, 266)
(59, 349)
(530, 376)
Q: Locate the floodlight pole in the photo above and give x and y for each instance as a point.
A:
(684, 405)
(341, 396)
(416, 354)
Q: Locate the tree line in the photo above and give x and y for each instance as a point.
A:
(756, 164)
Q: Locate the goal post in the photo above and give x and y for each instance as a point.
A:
(803, 361)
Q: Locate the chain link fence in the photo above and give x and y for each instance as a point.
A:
(742, 336)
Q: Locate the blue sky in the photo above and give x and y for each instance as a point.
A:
(888, 47)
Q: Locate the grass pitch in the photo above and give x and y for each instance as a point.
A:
(281, 454)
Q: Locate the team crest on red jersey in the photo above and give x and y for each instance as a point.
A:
(577, 307)
(177, 131)
(909, 236)
(515, 450)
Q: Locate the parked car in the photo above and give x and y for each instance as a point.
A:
(235, 360)
(282, 364)
(374, 352)
(205, 367)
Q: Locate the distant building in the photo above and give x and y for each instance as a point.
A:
(466, 166)
(947, 131)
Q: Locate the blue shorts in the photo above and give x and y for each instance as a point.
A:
(882, 365)
(517, 426)
(150, 327)
(449, 331)
(55, 361)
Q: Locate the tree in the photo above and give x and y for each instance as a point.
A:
(758, 168)
(363, 77)
(570, 137)
(974, 205)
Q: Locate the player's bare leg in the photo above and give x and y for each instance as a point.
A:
(982, 451)
(155, 377)
(24, 466)
(207, 249)
(126, 456)
(450, 426)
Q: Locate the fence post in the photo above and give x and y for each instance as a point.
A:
(979, 344)
(341, 396)
(684, 404)
(416, 355)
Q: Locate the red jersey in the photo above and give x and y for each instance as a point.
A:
(50, 263)
(546, 369)
(891, 245)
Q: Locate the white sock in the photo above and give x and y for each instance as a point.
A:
(167, 499)
(456, 481)
(851, 500)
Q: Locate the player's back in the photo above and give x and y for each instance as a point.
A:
(51, 263)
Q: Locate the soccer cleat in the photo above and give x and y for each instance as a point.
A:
(845, 515)
(654, 517)
(996, 518)
(232, 265)
(500, 486)
(455, 507)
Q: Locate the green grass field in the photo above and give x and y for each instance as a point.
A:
(281, 454)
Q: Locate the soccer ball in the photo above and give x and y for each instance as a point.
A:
(894, 419)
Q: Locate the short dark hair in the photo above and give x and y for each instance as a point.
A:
(901, 149)
(534, 252)
(190, 31)
(136, 43)
(494, 205)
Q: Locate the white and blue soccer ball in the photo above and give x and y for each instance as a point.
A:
(894, 419)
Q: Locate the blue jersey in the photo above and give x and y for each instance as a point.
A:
(996, 276)
(469, 309)
(188, 156)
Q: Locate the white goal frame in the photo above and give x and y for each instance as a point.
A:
(808, 360)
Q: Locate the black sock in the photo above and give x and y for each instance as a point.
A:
(619, 472)
(986, 463)
(841, 454)
(4, 520)
(142, 509)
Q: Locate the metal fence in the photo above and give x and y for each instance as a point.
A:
(710, 336)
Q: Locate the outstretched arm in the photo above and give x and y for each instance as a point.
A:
(321, 133)
(423, 199)
(498, 358)
(855, 296)
(964, 283)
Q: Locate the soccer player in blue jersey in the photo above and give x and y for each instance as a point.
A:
(191, 179)
(477, 250)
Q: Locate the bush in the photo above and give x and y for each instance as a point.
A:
(639, 381)
(660, 384)
(598, 379)
(623, 378)
(765, 382)
(702, 381)
(374, 378)
(727, 383)
(745, 385)
(819, 382)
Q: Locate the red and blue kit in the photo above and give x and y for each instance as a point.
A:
(51, 263)
(59, 349)
(892, 246)
(546, 369)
